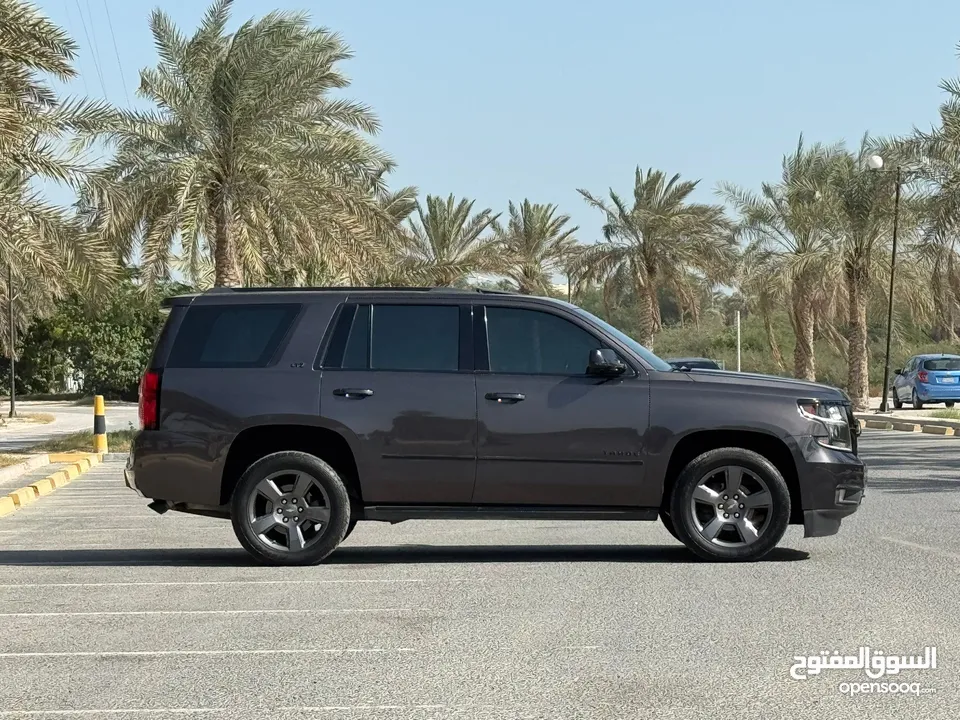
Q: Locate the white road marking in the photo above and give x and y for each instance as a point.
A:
(268, 611)
(224, 582)
(210, 711)
(917, 546)
(181, 653)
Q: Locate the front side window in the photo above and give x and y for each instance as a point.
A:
(533, 342)
(414, 337)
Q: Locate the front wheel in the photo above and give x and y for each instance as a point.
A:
(916, 401)
(949, 403)
(730, 504)
(897, 402)
(290, 508)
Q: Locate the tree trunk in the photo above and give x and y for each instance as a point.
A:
(772, 337)
(858, 387)
(656, 323)
(226, 270)
(804, 360)
(646, 304)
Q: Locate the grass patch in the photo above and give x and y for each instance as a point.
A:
(117, 441)
(37, 418)
(946, 414)
(8, 460)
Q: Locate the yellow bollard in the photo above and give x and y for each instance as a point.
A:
(99, 426)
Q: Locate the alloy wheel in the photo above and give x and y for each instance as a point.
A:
(289, 510)
(731, 506)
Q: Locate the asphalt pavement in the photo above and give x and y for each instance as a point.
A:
(68, 418)
(108, 610)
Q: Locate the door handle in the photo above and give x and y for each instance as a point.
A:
(508, 398)
(357, 393)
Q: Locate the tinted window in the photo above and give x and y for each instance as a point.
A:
(231, 336)
(356, 354)
(415, 337)
(942, 364)
(528, 341)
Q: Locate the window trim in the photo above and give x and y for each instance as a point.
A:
(481, 328)
(334, 343)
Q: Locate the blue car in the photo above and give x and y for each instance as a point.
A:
(927, 379)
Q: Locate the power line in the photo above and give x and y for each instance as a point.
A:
(117, 53)
(83, 75)
(93, 48)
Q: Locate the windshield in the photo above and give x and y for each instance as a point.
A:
(651, 359)
(942, 364)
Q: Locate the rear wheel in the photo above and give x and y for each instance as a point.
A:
(730, 504)
(350, 527)
(290, 508)
(897, 402)
(917, 403)
(949, 403)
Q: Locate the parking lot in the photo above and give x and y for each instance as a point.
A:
(109, 610)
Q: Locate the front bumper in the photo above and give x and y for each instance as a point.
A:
(832, 486)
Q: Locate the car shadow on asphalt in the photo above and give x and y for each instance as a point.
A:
(381, 555)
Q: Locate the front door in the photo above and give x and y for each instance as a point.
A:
(399, 391)
(550, 434)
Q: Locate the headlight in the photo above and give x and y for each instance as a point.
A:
(832, 416)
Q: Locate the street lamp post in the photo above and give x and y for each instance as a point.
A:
(875, 162)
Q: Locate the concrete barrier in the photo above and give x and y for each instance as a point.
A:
(938, 430)
(906, 426)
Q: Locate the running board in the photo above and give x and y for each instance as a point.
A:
(399, 513)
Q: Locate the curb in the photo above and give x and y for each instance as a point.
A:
(938, 430)
(79, 463)
(933, 426)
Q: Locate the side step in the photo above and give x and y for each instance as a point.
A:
(399, 513)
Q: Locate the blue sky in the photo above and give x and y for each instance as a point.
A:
(501, 100)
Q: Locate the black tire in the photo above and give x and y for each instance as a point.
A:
(917, 403)
(668, 524)
(949, 403)
(773, 526)
(897, 402)
(327, 538)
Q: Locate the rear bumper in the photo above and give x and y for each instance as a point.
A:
(937, 391)
(832, 486)
(129, 476)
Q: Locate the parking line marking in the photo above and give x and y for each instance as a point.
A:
(180, 653)
(267, 611)
(226, 582)
(918, 546)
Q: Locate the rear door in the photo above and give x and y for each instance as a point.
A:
(398, 379)
(549, 433)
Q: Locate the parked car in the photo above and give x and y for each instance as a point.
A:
(694, 363)
(297, 412)
(927, 379)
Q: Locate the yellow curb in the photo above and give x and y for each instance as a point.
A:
(72, 471)
(906, 427)
(22, 496)
(59, 478)
(84, 464)
(938, 430)
(878, 424)
(67, 457)
(862, 423)
(42, 487)
(7, 505)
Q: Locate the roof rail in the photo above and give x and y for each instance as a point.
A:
(343, 288)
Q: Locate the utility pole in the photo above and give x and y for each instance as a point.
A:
(738, 341)
(13, 339)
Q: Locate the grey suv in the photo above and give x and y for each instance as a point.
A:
(297, 412)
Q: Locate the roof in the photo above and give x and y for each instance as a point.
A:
(934, 356)
(236, 293)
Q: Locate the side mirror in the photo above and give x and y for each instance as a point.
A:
(898, 371)
(605, 363)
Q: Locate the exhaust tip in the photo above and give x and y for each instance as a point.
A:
(159, 506)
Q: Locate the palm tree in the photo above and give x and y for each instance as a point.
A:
(43, 247)
(535, 245)
(859, 211)
(760, 281)
(786, 228)
(661, 240)
(245, 156)
(448, 242)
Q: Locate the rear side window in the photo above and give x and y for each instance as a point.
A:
(231, 336)
(942, 364)
(415, 337)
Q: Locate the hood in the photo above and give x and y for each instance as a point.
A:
(802, 388)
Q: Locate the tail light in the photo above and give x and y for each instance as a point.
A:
(149, 405)
(922, 376)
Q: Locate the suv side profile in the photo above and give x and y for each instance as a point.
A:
(297, 412)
